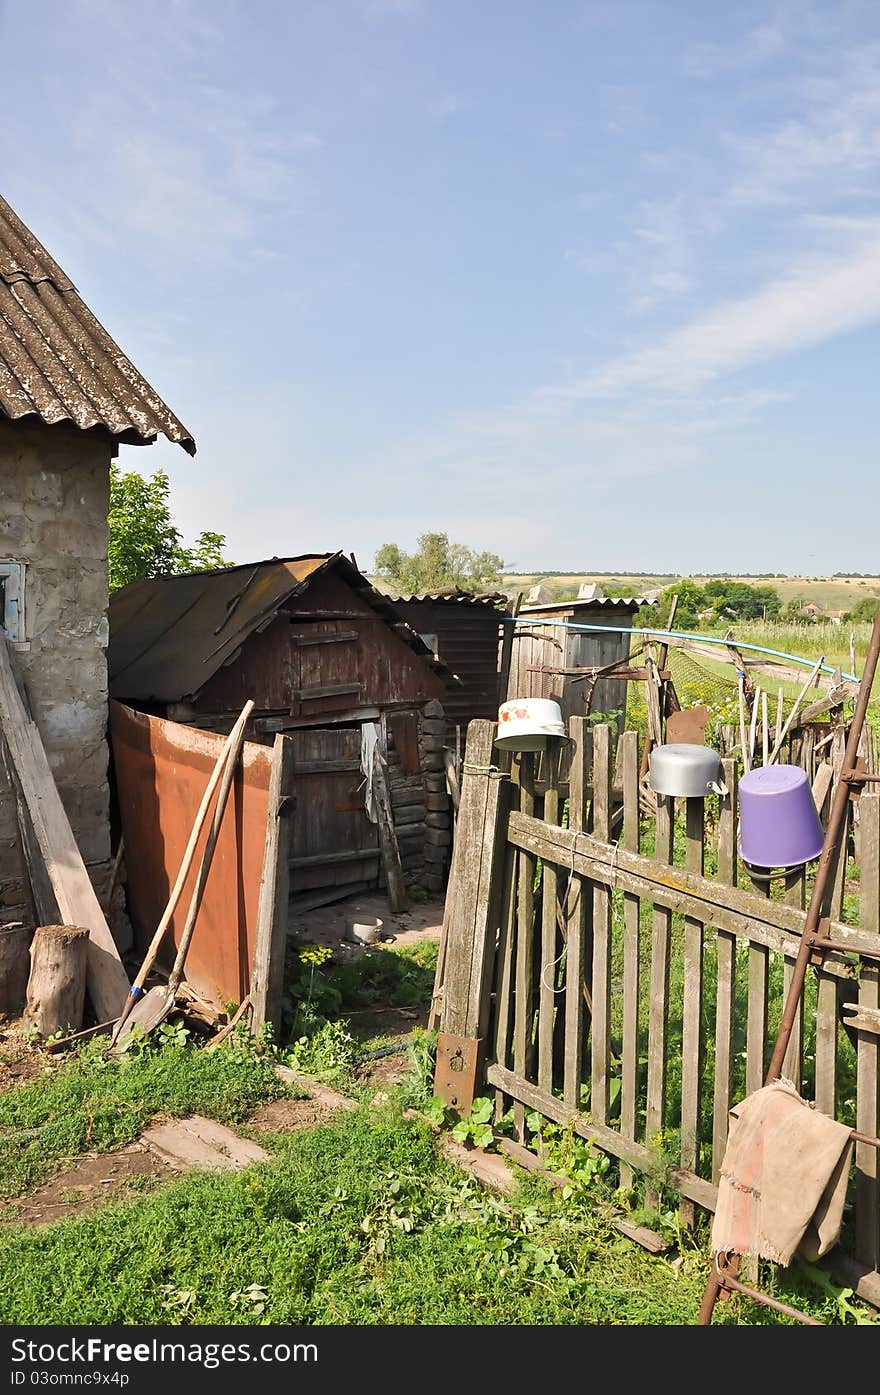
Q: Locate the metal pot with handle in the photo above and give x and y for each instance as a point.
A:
(686, 771)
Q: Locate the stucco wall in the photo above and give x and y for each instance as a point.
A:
(54, 486)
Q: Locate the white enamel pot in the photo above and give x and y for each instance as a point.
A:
(525, 724)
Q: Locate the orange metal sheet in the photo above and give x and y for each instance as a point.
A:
(162, 769)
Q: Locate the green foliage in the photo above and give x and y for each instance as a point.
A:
(326, 1050)
(437, 563)
(725, 600)
(92, 1101)
(361, 1221)
(864, 610)
(144, 540)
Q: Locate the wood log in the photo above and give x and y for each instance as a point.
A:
(57, 985)
(14, 966)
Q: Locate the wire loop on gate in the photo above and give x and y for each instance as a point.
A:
(493, 771)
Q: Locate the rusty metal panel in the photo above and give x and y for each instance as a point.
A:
(161, 772)
(688, 726)
(57, 363)
(458, 1067)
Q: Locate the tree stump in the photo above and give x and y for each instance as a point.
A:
(14, 965)
(57, 984)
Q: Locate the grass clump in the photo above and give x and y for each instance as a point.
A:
(93, 1102)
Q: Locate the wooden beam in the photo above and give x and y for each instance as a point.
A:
(397, 896)
(474, 898)
(742, 913)
(267, 976)
(61, 886)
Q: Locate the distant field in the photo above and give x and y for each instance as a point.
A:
(829, 593)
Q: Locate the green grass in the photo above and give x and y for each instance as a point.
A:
(90, 1102)
(360, 1222)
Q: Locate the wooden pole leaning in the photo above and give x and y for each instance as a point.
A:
(473, 907)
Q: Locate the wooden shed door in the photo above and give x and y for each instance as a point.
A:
(333, 841)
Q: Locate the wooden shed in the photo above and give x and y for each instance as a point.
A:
(328, 661)
(464, 632)
(544, 640)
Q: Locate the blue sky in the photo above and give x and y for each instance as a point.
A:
(595, 285)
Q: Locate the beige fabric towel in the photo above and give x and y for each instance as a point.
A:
(783, 1178)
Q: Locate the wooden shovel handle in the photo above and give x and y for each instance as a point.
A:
(208, 853)
(232, 740)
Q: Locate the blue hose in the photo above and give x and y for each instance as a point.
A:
(683, 634)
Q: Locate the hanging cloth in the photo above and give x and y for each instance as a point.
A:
(783, 1179)
(369, 742)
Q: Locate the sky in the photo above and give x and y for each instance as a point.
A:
(593, 285)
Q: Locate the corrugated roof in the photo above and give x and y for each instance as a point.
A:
(618, 602)
(57, 363)
(450, 596)
(170, 634)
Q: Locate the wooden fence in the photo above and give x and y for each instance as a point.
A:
(615, 974)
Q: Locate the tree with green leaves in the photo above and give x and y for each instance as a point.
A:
(437, 563)
(144, 540)
(864, 609)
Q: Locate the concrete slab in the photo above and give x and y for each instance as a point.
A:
(197, 1142)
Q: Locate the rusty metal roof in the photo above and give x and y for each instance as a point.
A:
(57, 363)
(170, 634)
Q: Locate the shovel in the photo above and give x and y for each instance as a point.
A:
(155, 1006)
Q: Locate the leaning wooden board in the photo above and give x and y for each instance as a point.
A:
(63, 892)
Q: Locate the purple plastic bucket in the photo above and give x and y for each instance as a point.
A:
(778, 823)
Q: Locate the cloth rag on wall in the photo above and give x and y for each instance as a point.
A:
(369, 742)
(783, 1178)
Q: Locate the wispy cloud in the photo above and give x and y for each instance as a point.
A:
(808, 306)
(756, 46)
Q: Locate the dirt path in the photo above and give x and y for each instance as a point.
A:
(331, 925)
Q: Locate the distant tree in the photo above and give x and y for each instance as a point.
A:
(437, 563)
(736, 600)
(865, 608)
(691, 600)
(144, 540)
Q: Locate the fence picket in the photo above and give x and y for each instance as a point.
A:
(504, 968)
(725, 1001)
(578, 911)
(661, 923)
(629, 1081)
(792, 1066)
(600, 1036)
(549, 932)
(692, 1011)
(525, 916)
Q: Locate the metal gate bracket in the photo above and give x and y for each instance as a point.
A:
(459, 1062)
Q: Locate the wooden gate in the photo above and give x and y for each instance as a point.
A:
(625, 978)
